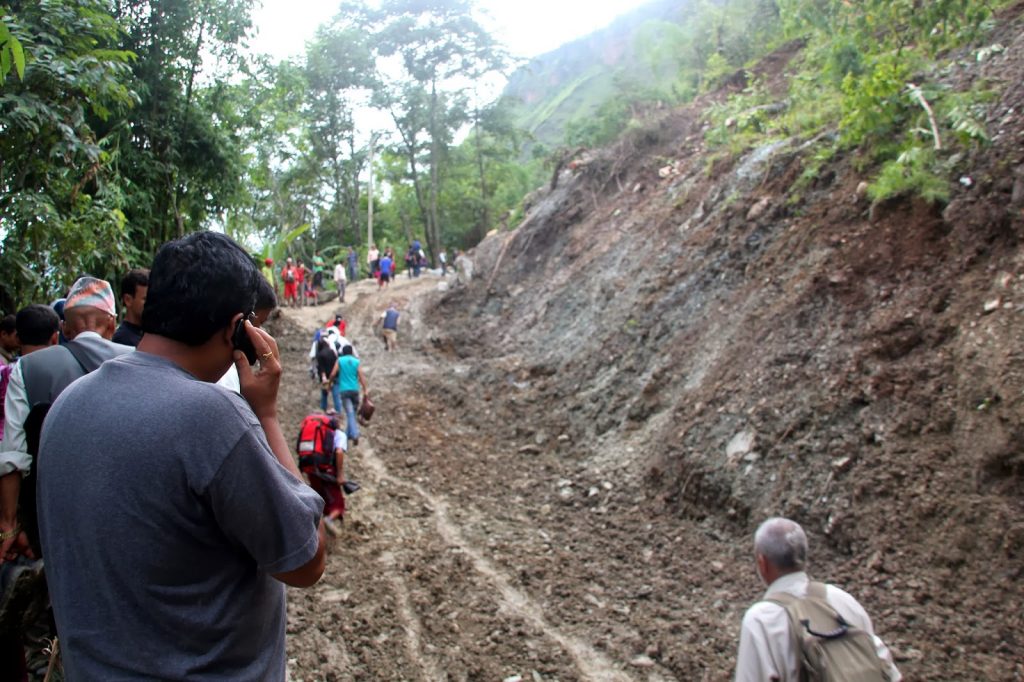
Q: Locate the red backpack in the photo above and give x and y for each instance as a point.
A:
(315, 444)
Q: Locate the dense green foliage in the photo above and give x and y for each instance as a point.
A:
(61, 202)
(870, 81)
(125, 124)
(664, 52)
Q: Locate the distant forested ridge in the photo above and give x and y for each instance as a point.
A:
(126, 124)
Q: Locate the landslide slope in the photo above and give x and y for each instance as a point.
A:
(721, 352)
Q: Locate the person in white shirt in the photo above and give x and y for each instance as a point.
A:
(768, 652)
(373, 259)
(339, 281)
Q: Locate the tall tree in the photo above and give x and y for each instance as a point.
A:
(441, 50)
(339, 69)
(183, 163)
(281, 182)
(60, 195)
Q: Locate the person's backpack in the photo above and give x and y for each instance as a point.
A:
(829, 648)
(315, 446)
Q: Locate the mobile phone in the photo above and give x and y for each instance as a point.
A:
(241, 341)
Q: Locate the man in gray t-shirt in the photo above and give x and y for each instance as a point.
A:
(171, 512)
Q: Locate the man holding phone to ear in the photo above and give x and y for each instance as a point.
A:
(171, 511)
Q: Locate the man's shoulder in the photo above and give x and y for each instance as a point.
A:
(764, 608)
(44, 357)
(183, 398)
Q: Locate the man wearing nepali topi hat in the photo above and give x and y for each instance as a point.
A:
(37, 380)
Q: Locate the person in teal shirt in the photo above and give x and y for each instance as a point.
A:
(346, 380)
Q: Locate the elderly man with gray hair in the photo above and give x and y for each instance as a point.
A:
(769, 650)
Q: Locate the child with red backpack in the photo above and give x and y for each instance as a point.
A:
(321, 446)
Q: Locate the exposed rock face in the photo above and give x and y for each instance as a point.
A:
(872, 355)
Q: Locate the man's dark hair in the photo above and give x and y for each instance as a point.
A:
(266, 299)
(347, 350)
(7, 324)
(36, 324)
(197, 284)
(139, 277)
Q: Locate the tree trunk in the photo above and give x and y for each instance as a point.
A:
(484, 219)
(409, 143)
(435, 177)
(353, 190)
(339, 198)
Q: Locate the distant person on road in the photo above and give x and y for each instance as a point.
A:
(338, 322)
(394, 263)
(768, 646)
(385, 271)
(419, 259)
(318, 276)
(348, 379)
(133, 298)
(353, 265)
(318, 262)
(389, 326)
(373, 260)
(290, 277)
(176, 516)
(268, 274)
(326, 358)
(334, 334)
(302, 277)
(339, 281)
(443, 259)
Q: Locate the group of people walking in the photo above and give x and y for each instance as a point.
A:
(301, 285)
(337, 367)
(382, 265)
(170, 511)
(167, 512)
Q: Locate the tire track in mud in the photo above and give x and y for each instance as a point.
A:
(467, 620)
(410, 621)
(591, 664)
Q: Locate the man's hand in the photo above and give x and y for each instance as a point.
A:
(15, 546)
(259, 388)
(10, 491)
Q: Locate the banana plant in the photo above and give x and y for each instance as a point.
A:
(279, 248)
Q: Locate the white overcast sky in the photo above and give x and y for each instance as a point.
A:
(527, 27)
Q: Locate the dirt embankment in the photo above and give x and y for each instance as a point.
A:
(572, 451)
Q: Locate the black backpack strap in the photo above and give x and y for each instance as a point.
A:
(33, 427)
(817, 592)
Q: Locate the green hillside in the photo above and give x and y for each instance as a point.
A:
(664, 52)
(574, 80)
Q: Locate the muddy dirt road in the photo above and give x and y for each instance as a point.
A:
(490, 541)
(468, 557)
